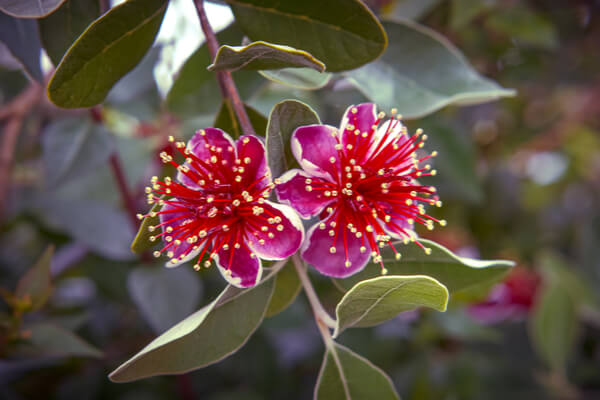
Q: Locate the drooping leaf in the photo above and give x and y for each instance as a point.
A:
(52, 340)
(285, 117)
(553, 327)
(142, 242)
(29, 8)
(105, 52)
(164, 296)
(345, 375)
(73, 147)
(22, 38)
(35, 284)
(287, 288)
(228, 121)
(204, 338)
(454, 272)
(377, 300)
(343, 34)
(262, 55)
(61, 29)
(298, 78)
(194, 89)
(422, 72)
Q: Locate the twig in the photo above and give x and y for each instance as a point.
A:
(126, 196)
(14, 112)
(226, 83)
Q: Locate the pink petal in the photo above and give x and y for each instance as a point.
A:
(251, 153)
(205, 144)
(398, 228)
(314, 148)
(363, 120)
(292, 191)
(239, 267)
(288, 233)
(174, 220)
(316, 251)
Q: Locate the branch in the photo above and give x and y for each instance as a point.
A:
(226, 83)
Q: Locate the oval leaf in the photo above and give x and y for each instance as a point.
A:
(22, 38)
(454, 272)
(263, 55)
(377, 300)
(105, 52)
(345, 375)
(164, 296)
(298, 78)
(52, 340)
(343, 34)
(421, 72)
(62, 28)
(35, 284)
(285, 117)
(205, 337)
(287, 288)
(29, 8)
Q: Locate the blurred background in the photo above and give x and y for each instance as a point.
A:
(519, 177)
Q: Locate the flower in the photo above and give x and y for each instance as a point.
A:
(218, 207)
(361, 180)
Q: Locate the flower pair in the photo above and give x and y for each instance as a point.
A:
(360, 180)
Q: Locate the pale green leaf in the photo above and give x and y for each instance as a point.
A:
(29, 8)
(298, 78)
(377, 300)
(142, 242)
(52, 340)
(35, 284)
(287, 288)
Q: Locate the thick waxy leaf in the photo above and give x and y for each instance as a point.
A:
(62, 28)
(554, 326)
(193, 91)
(299, 78)
(142, 242)
(29, 8)
(345, 375)
(343, 34)
(377, 300)
(287, 287)
(228, 121)
(35, 284)
(284, 119)
(422, 72)
(22, 38)
(164, 296)
(262, 55)
(205, 337)
(456, 273)
(52, 340)
(73, 147)
(106, 51)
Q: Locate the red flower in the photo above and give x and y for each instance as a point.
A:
(218, 207)
(362, 182)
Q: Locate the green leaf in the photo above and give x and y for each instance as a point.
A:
(29, 8)
(227, 120)
(105, 52)
(52, 340)
(287, 288)
(73, 147)
(410, 9)
(35, 284)
(285, 117)
(422, 72)
(298, 78)
(137, 83)
(204, 338)
(142, 242)
(263, 55)
(195, 88)
(553, 326)
(377, 300)
(343, 34)
(454, 272)
(464, 11)
(62, 28)
(164, 296)
(22, 38)
(345, 375)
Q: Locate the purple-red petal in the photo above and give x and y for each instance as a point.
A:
(292, 191)
(363, 119)
(251, 153)
(239, 267)
(174, 218)
(314, 148)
